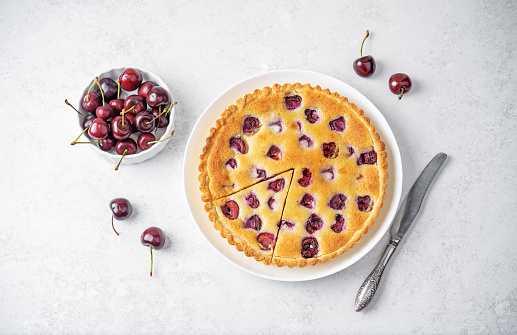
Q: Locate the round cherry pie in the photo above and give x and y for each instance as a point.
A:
(293, 175)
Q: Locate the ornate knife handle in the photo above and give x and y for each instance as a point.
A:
(370, 284)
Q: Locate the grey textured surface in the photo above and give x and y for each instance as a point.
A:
(62, 269)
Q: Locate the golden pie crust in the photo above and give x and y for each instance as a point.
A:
(282, 132)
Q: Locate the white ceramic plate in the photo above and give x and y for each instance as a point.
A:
(197, 141)
(162, 133)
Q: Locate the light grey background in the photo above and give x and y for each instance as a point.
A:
(63, 270)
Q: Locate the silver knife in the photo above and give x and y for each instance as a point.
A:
(405, 216)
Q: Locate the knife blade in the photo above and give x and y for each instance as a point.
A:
(401, 223)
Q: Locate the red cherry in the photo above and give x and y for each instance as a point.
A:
(105, 112)
(117, 104)
(157, 96)
(121, 131)
(400, 83)
(99, 129)
(127, 146)
(91, 101)
(144, 141)
(163, 121)
(107, 143)
(145, 88)
(153, 237)
(137, 101)
(130, 79)
(365, 66)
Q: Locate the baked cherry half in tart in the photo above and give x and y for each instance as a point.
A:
(293, 175)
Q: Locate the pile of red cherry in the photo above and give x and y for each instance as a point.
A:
(111, 120)
(153, 237)
(399, 83)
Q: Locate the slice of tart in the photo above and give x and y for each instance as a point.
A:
(249, 218)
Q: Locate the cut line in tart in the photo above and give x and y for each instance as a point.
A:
(337, 163)
(249, 218)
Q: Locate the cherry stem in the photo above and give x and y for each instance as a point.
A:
(165, 139)
(100, 88)
(87, 142)
(367, 34)
(159, 112)
(125, 111)
(401, 92)
(113, 226)
(164, 111)
(84, 131)
(69, 104)
(88, 94)
(168, 110)
(121, 158)
(118, 89)
(151, 273)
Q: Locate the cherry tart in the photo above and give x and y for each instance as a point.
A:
(332, 161)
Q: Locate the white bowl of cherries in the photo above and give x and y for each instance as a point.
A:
(127, 115)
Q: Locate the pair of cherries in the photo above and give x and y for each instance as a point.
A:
(399, 83)
(153, 237)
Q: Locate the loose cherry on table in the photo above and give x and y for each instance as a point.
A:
(121, 209)
(365, 66)
(153, 237)
(145, 88)
(125, 147)
(400, 83)
(130, 79)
